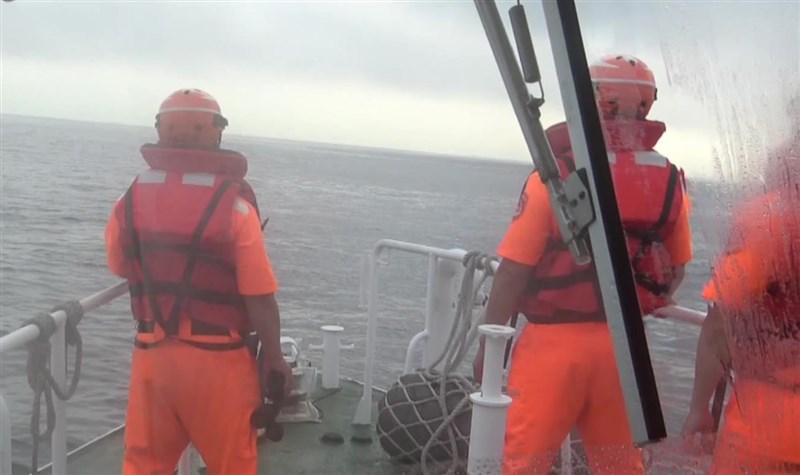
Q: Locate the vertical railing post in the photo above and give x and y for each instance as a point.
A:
(441, 301)
(58, 368)
(5, 438)
(363, 413)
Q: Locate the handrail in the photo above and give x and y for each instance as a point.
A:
(681, 314)
(18, 339)
(21, 337)
(435, 281)
(363, 413)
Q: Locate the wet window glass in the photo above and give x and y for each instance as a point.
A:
(270, 232)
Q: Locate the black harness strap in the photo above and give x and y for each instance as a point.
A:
(192, 252)
(174, 288)
(135, 244)
(646, 239)
(151, 246)
(151, 288)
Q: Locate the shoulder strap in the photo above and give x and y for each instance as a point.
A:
(136, 248)
(669, 198)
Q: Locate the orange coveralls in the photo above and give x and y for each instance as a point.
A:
(761, 432)
(565, 375)
(180, 393)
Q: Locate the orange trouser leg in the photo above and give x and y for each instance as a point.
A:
(563, 376)
(548, 384)
(217, 416)
(180, 393)
(761, 434)
(154, 436)
(604, 425)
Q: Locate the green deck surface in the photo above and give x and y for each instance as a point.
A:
(300, 452)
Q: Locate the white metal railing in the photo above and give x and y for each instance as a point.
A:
(444, 272)
(18, 339)
(681, 314)
(443, 277)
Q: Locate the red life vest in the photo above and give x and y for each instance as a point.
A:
(178, 243)
(650, 194)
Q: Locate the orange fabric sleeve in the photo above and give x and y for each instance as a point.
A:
(750, 261)
(531, 227)
(738, 277)
(253, 267)
(115, 257)
(679, 243)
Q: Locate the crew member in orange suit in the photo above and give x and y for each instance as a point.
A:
(187, 237)
(563, 372)
(752, 331)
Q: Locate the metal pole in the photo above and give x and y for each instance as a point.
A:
(363, 415)
(5, 438)
(58, 368)
(681, 314)
(528, 115)
(606, 234)
(19, 338)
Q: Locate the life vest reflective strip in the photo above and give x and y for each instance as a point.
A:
(559, 291)
(204, 285)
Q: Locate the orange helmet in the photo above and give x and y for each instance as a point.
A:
(624, 87)
(190, 117)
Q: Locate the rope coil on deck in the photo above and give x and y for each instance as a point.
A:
(426, 415)
(40, 378)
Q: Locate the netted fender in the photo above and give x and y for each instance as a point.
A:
(412, 411)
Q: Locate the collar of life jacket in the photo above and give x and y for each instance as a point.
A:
(195, 160)
(619, 135)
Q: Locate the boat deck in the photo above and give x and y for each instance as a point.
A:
(300, 452)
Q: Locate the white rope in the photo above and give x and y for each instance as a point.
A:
(408, 427)
(462, 336)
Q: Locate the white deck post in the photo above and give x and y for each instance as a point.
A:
(331, 351)
(489, 406)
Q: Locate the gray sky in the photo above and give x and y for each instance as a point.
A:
(411, 75)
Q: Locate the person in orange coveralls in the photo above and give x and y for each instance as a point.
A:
(563, 371)
(752, 330)
(187, 237)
